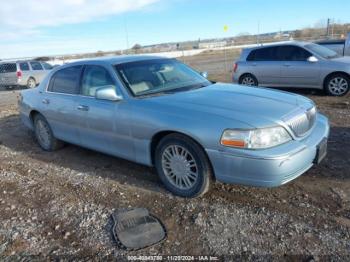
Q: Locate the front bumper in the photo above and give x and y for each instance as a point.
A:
(269, 167)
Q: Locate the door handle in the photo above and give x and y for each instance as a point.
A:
(287, 65)
(83, 108)
(46, 101)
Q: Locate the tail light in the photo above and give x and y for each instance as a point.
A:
(19, 74)
(235, 67)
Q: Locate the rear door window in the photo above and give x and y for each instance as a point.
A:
(263, 54)
(292, 53)
(24, 66)
(66, 80)
(36, 66)
(94, 77)
(8, 68)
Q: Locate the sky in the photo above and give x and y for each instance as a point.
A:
(52, 27)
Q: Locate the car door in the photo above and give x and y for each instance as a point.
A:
(297, 71)
(59, 103)
(105, 124)
(264, 66)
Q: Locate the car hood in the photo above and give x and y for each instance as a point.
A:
(254, 106)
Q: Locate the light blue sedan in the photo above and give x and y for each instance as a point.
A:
(159, 112)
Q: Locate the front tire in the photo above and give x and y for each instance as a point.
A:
(44, 135)
(182, 166)
(248, 80)
(337, 85)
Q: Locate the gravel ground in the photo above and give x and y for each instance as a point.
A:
(58, 205)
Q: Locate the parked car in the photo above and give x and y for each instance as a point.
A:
(23, 73)
(341, 46)
(159, 112)
(294, 65)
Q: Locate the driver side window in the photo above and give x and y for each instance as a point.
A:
(94, 77)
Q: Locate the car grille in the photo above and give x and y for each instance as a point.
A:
(302, 123)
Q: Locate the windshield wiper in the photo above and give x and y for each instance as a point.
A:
(173, 91)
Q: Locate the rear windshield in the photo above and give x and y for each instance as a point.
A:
(8, 68)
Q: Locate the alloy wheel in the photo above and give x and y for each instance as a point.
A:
(31, 83)
(338, 86)
(180, 167)
(248, 81)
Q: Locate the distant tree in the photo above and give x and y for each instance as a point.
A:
(42, 58)
(99, 53)
(136, 48)
(297, 33)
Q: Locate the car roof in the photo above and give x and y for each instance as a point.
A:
(18, 61)
(114, 60)
(296, 43)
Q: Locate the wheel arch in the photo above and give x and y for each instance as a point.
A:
(31, 77)
(161, 134)
(325, 79)
(245, 74)
(32, 114)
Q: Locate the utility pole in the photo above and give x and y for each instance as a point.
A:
(328, 22)
(126, 35)
(258, 34)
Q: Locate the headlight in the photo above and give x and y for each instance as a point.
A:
(255, 138)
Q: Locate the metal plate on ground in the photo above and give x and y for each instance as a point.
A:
(136, 229)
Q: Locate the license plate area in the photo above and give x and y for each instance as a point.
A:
(321, 151)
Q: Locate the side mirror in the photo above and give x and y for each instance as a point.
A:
(107, 93)
(204, 74)
(312, 59)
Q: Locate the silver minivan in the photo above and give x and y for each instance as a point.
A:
(294, 65)
(23, 73)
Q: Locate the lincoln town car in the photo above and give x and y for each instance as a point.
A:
(161, 113)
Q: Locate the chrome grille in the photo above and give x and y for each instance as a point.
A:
(303, 122)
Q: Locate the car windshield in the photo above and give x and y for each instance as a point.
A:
(322, 51)
(157, 76)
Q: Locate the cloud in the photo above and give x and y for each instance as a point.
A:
(32, 14)
(24, 23)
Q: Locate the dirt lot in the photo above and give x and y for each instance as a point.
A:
(59, 204)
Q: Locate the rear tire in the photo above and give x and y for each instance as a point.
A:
(31, 83)
(182, 166)
(44, 135)
(337, 85)
(248, 80)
